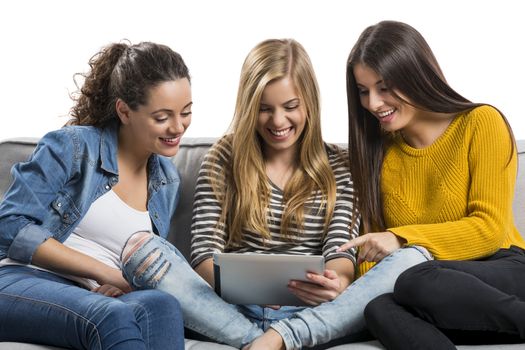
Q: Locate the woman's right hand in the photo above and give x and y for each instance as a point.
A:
(373, 247)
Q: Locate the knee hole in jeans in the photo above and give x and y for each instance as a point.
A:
(161, 272)
(148, 261)
(134, 243)
(154, 257)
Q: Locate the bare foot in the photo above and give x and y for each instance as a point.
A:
(270, 340)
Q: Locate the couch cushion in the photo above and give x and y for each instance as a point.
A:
(13, 151)
(188, 161)
(519, 196)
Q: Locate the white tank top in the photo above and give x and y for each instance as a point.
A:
(102, 233)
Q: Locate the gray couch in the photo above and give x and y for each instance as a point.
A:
(188, 161)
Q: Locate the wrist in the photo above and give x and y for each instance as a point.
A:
(101, 273)
(402, 241)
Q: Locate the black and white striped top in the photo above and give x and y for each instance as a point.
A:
(208, 237)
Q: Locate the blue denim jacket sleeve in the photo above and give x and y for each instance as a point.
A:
(28, 200)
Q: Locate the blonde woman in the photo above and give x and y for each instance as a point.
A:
(272, 186)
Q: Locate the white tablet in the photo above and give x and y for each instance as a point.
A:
(262, 279)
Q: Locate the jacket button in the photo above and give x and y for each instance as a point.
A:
(59, 204)
(107, 187)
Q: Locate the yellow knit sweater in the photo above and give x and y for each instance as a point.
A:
(455, 196)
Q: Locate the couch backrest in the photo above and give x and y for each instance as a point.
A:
(188, 161)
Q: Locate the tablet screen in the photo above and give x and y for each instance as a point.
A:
(262, 279)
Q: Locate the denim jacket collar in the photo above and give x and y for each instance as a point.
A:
(108, 148)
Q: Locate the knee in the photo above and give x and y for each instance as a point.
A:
(154, 304)
(156, 301)
(113, 321)
(144, 261)
(115, 324)
(115, 313)
(375, 310)
(415, 285)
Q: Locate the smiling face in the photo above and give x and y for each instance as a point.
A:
(282, 116)
(393, 114)
(158, 125)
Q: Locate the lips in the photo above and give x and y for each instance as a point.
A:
(385, 114)
(171, 141)
(280, 132)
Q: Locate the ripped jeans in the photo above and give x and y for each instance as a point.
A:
(150, 262)
(344, 316)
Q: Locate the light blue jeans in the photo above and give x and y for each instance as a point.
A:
(264, 317)
(344, 315)
(152, 262)
(155, 263)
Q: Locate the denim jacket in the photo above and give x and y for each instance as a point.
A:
(69, 169)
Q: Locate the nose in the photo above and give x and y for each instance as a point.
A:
(176, 126)
(375, 100)
(279, 117)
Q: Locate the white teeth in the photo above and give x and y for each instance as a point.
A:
(385, 113)
(281, 132)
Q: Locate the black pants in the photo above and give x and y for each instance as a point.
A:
(441, 303)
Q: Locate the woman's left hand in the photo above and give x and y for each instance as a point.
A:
(319, 289)
(108, 290)
(373, 247)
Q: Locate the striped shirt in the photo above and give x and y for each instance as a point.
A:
(208, 237)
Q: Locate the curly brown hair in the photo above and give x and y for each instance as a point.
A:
(123, 71)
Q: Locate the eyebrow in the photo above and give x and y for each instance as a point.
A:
(169, 110)
(295, 99)
(376, 83)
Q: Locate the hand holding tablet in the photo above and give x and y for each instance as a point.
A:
(262, 279)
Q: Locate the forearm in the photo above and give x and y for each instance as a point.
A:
(345, 270)
(57, 257)
(205, 270)
(449, 246)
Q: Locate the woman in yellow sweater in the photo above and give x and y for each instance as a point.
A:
(437, 171)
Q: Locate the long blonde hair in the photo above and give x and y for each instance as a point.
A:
(243, 188)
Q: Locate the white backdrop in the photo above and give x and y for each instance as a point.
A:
(478, 43)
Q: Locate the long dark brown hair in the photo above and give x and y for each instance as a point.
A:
(400, 55)
(123, 71)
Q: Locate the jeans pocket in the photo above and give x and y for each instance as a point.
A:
(423, 251)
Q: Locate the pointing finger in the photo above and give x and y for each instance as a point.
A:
(356, 242)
